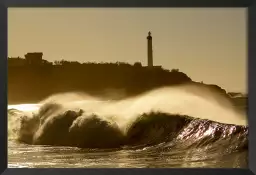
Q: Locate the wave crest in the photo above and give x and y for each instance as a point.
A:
(79, 129)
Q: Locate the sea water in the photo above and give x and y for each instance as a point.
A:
(179, 127)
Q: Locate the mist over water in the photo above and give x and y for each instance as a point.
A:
(166, 119)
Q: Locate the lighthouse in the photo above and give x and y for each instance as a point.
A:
(150, 50)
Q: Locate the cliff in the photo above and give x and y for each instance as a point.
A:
(30, 84)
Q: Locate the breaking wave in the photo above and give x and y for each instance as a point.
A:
(166, 118)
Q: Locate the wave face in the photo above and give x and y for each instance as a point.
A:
(164, 119)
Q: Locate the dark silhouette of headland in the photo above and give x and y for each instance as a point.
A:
(32, 78)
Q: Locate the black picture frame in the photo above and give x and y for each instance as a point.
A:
(251, 9)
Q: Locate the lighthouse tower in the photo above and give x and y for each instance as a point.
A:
(150, 50)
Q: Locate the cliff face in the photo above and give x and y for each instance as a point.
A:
(27, 84)
(213, 88)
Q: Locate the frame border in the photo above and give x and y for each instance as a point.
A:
(128, 3)
(251, 37)
(3, 87)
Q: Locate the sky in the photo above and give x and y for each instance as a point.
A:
(208, 44)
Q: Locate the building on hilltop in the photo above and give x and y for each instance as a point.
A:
(35, 58)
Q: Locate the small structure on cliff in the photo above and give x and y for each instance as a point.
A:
(31, 59)
(35, 58)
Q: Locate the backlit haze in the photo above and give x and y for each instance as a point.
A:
(209, 45)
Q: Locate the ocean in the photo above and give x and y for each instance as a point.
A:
(172, 127)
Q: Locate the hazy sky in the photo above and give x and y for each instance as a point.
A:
(208, 44)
